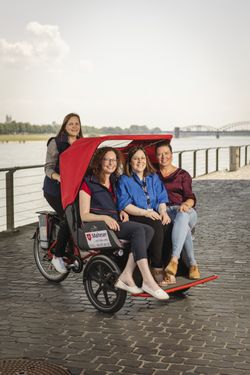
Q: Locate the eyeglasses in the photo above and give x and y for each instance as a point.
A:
(109, 160)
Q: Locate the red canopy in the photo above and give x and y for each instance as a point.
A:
(75, 160)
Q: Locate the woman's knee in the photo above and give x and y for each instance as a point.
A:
(182, 218)
(149, 232)
(192, 218)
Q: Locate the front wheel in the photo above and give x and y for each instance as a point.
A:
(43, 262)
(99, 277)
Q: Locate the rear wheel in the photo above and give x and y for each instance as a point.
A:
(99, 277)
(44, 263)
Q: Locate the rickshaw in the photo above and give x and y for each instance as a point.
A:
(94, 248)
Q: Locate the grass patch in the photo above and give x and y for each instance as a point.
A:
(24, 137)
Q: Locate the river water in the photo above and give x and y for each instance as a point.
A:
(14, 154)
(28, 183)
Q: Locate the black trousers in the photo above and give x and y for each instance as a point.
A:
(139, 235)
(157, 245)
(64, 232)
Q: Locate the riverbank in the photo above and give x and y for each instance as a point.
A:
(5, 138)
(242, 173)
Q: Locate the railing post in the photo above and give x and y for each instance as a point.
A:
(207, 161)
(234, 158)
(217, 159)
(180, 160)
(9, 179)
(194, 163)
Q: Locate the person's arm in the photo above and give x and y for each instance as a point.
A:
(162, 209)
(189, 198)
(185, 206)
(87, 216)
(52, 156)
(136, 211)
(162, 199)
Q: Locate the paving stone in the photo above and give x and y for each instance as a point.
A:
(205, 332)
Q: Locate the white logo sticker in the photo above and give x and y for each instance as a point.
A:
(97, 239)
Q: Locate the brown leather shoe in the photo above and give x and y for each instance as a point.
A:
(194, 273)
(171, 268)
(157, 274)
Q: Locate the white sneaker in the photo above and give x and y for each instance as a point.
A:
(59, 265)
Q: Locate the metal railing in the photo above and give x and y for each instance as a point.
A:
(20, 201)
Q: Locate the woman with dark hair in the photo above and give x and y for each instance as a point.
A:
(97, 202)
(141, 194)
(69, 132)
(182, 200)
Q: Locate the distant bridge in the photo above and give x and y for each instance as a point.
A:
(236, 129)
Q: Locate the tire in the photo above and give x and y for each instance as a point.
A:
(44, 263)
(99, 277)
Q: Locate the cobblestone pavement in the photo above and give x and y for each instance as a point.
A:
(206, 332)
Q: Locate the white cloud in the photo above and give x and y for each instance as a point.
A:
(13, 52)
(86, 66)
(46, 46)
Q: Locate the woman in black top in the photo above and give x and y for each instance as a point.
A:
(70, 131)
(97, 202)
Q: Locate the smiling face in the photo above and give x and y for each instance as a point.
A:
(164, 156)
(109, 162)
(73, 126)
(138, 162)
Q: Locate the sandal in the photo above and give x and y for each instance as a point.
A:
(168, 279)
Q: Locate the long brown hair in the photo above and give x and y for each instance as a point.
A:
(128, 169)
(96, 162)
(65, 121)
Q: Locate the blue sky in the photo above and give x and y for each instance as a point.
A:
(159, 63)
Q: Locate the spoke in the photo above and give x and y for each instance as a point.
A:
(113, 289)
(106, 296)
(108, 280)
(98, 291)
(93, 278)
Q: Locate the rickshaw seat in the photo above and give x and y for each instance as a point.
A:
(92, 235)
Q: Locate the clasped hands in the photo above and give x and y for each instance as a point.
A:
(163, 216)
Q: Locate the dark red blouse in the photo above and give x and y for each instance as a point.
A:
(179, 186)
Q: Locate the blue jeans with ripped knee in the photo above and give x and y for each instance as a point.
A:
(183, 222)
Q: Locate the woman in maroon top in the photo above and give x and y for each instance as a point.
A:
(178, 183)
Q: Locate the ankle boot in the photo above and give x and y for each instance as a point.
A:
(194, 272)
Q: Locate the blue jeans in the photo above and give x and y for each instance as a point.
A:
(183, 222)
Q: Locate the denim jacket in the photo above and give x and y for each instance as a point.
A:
(131, 190)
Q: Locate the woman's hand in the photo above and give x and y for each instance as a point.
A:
(152, 215)
(111, 223)
(165, 219)
(184, 207)
(124, 216)
(55, 176)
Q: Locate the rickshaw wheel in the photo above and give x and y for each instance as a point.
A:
(99, 277)
(44, 263)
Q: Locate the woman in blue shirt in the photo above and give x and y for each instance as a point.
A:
(141, 193)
